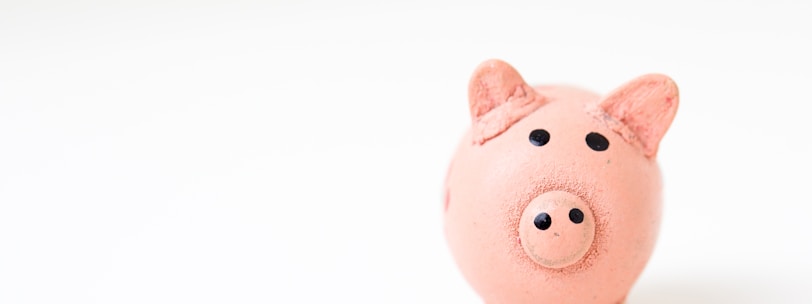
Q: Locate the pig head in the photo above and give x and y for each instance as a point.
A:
(553, 195)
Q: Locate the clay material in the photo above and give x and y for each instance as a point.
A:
(568, 213)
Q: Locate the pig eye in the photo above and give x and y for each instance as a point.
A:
(597, 142)
(576, 215)
(543, 221)
(539, 137)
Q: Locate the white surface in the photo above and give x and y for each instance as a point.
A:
(242, 152)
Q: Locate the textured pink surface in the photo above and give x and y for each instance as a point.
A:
(499, 182)
(498, 97)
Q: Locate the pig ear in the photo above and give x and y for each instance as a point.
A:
(498, 98)
(645, 106)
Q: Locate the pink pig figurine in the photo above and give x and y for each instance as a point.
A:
(553, 195)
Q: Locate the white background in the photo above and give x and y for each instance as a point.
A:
(294, 152)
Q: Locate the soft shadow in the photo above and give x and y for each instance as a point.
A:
(717, 289)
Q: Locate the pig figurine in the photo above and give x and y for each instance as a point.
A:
(553, 195)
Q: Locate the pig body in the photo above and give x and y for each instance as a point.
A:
(553, 195)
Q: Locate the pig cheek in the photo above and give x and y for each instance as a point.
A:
(447, 199)
(446, 188)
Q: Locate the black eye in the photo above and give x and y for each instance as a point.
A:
(543, 221)
(597, 142)
(576, 215)
(539, 137)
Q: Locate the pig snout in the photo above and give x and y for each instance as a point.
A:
(556, 229)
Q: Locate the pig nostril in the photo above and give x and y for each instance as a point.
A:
(543, 221)
(576, 215)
